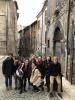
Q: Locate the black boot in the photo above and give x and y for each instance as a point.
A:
(20, 92)
(36, 89)
(60, 95)
(25, 90)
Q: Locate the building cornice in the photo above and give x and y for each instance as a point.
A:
(43, 8)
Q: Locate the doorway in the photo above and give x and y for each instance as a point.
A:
(57, 47)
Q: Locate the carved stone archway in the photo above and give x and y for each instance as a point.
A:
(57, 48)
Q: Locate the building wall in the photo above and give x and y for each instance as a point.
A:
(2, 27)
(39, 20)
(33, 36)
(41, 33)
(8, 26)
(25, 43)
(61, 21)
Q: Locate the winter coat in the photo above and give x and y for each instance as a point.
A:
(41, 68)
(47, 65)
(36, 77)
(27, 71)
(55, 69)
(16, 66)
(30, 67)
(8, 66)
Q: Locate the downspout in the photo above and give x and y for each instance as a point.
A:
(68, 30)
(6, 27)
(41, 33)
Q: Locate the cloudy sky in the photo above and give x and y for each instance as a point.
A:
(28, 10)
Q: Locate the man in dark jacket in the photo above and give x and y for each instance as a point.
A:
(55, 73)
(7, 68)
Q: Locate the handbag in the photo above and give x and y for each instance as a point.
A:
(19, 72)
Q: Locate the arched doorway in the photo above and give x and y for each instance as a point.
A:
(57, 47)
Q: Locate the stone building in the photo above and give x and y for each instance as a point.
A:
(8, 26)
(61, 31)
(24, 44)
(42, 30)
(28, 41)
(33, 35)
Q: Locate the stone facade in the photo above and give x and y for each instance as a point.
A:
(25, 42)
(33, 29)
(57, 33)
(8, 26)
(42, 30)
(28, 40)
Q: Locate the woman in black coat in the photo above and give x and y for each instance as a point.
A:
(47, 63)
(16, 66)
(20, 73)
(27, 74)
(41, 67)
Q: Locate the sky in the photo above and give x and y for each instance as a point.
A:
(28, 10)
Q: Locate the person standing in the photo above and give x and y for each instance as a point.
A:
(20, 74)
(47, 67)
(8, 70)
(55, 73)
(41, 68)
(17, 63)
(26, 74)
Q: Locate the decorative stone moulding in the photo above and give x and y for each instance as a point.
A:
(56, 12)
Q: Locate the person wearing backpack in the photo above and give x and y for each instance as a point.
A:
(8, 70)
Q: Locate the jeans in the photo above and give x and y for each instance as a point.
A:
(16, 81)
(47, 83)
(22, 82)
(8, 81)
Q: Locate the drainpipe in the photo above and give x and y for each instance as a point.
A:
(6, 27)
(72, 53)
(41, 33)
(68, 30)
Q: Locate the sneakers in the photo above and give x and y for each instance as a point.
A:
(10, 88)
(7, 89)
(25, 90)
(51, 95)
(60, 95)
(42, 89)
(15, 88)
(37, 91)
(20, 92)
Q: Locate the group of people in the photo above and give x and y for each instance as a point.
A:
(35, 72)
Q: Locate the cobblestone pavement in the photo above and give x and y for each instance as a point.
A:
(29, 95)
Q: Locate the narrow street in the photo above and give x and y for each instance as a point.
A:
(14, 95)
(43, 28)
